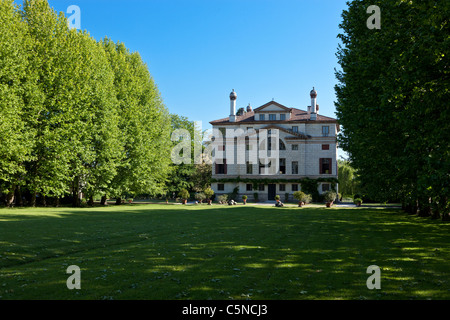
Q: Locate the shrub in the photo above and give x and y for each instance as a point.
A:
(277, 197)
(233, 195)
(208, 193)
(184, 194)
(303, 197)
(200, 196)
(357, 201)
(329, 196)
(222, 198)
(286, 197)
(256, 196)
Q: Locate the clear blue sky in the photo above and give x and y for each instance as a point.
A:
(198, 51)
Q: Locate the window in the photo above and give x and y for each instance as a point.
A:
(282, 145)
(249, 168)
(282, 187)
(262, 117)
(325, 131)
(294, 167)
(282, 166)
(325, 147)
(282, 117)
(295, 147)
(325, 187)
(221, 168)
(325, 165)
(220, 187)
(249, 187)
(261, 187)
(295, 129)
(272, 117)
(295, 187)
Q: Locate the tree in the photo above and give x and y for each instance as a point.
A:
(201, 177)
(392, 90)
(144, 124)
(17, 91)
(54, 117)
(180, 174)
(347, 178)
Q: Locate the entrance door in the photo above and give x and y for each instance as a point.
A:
(272, 191)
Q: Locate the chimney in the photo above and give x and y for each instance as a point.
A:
(249, 108)
(314, 108)
(233, 97)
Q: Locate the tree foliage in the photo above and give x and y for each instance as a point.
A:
(392, 100)
(348, 184)
(78, 116)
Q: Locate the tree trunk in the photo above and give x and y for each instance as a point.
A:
(91, 201)
(118, 201)
(103, 201)
(19, 199)
(75, 195)
(33, 199)
(57, 202)
(10, 198)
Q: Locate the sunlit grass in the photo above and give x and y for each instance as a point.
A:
(221, 252)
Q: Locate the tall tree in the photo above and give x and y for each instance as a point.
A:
(392, 93)
(144, 124)
(18, 93)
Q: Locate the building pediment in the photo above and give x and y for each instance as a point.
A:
(273, 107)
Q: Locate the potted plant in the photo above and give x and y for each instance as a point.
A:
(130, 200)
(329, 198)
(184, 195)
(302, 198)
(277, 198)
(222, 198)
(244, 198)
(358, 202)
(200, 196)
(208, 192)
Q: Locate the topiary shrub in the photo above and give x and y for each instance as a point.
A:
(184, 194)
(200, 196)
(329, 197)
(222, 198)
(302, 197)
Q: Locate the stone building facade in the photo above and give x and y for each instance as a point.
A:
(268, 150)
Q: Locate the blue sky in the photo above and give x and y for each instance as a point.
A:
(198, 51)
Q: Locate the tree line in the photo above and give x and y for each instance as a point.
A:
(77, 116)
(392, 102)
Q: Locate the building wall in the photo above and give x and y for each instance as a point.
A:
(308, 154)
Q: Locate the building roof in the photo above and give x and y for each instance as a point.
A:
(297, 115)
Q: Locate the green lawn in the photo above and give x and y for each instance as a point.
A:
(222, 252)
